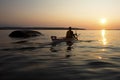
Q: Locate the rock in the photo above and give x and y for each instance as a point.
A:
(24, 34)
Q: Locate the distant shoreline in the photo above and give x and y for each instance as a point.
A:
(40, 28)
(47, 28)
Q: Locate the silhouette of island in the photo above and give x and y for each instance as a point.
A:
(42, 28)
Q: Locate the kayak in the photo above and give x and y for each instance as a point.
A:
(63, 39)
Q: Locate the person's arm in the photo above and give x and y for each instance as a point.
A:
(75, 36)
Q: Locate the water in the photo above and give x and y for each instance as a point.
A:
(94, 57)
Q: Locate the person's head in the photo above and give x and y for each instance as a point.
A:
(70, 28)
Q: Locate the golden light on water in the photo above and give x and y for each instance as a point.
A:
(104, 39)
(99, 57)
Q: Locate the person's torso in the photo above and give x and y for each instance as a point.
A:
(69, 34)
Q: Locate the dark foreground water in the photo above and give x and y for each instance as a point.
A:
(95, 56)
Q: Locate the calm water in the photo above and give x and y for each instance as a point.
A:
(95, 56)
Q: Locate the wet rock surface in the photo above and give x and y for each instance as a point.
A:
(24, 34)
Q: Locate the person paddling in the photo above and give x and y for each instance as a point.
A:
(70, 34)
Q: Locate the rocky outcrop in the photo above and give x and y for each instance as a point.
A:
(24, 34)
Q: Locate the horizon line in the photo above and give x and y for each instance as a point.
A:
(44, 28)
(49, 28)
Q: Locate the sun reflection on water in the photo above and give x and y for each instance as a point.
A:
(99, 57)
(104, 39)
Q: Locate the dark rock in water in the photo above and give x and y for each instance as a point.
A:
(24, 34)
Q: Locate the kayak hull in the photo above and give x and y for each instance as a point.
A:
(63, 39)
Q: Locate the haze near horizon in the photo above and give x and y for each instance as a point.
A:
(89, 14)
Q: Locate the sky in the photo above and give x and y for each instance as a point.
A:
(62, 13)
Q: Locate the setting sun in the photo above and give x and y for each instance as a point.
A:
(61, 13)
(103, 20)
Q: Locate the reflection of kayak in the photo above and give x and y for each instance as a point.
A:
(63, 39)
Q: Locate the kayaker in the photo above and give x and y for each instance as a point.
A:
(70, 33)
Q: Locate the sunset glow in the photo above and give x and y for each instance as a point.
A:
(64, 13)
(103, 20)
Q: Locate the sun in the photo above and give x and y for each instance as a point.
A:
(103, 20)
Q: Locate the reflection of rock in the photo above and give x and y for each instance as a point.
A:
(24, 34)
(20, 42)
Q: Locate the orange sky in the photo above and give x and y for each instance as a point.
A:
(53, 13)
